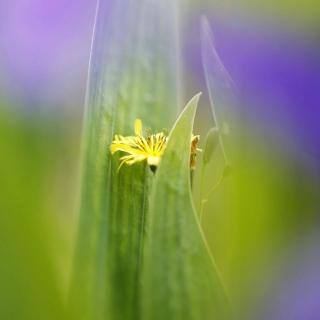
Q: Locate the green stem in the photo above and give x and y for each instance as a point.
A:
(205, 199)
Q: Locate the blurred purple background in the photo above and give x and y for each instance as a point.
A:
(277, 73)
(295, 293)
(44, 49)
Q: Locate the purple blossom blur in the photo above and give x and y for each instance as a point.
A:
(296, 296)
(45, 49)
(277, 73)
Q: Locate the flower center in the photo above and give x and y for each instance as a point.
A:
(153, 161)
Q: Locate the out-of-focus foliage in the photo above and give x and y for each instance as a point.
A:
(259, 206)
(31, 247)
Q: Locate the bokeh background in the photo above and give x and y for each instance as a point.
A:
(262, 224)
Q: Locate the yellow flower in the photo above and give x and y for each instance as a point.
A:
(139, 148)
(148, 148)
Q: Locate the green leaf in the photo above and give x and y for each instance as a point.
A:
(180, 277)
(132, 75)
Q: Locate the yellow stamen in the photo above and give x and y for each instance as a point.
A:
(139, 148)
(194, 148)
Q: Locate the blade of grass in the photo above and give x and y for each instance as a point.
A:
(220, 85)
(180, 277)
(221, 90)
(132, 74)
